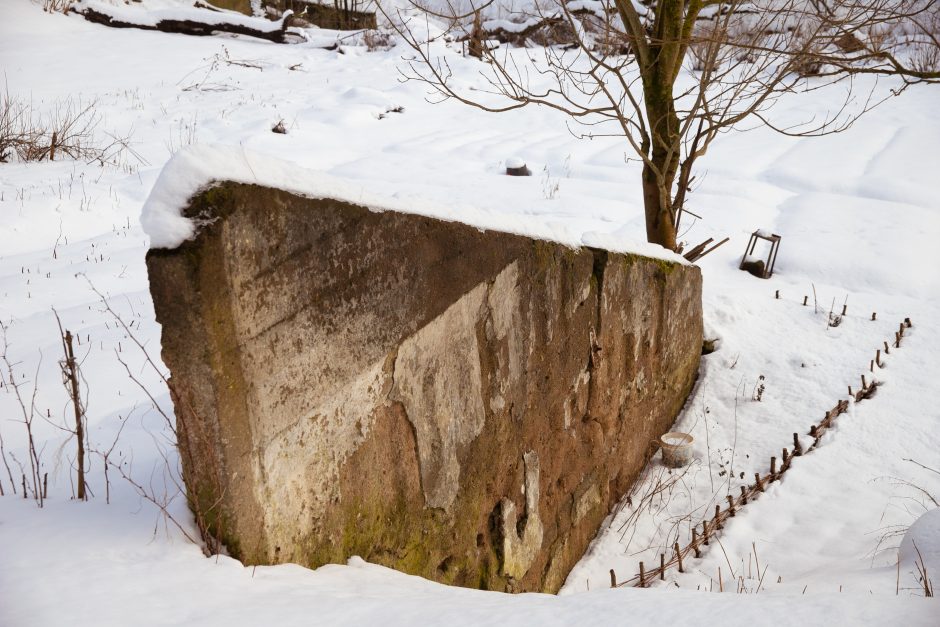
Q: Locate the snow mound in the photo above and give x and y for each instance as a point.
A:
(199, 167)
(922, 542)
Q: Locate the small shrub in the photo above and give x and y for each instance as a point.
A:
(375, 39)
(56, 6)
(68, 130)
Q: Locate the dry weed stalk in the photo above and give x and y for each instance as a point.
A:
(208, 517)
(922, 575)
(106, 455)
(374, 39)
(29, 413)
(56, 6)
(658, 485)
(916, 502)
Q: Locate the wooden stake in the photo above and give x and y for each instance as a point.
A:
(642, 576)
(705, 532)
(45, 485)
(907, 323)
(850, 390)
(773, 468)
(757, 480)
(777, 294)
(887, 350)
(721, 585)
(24, 486)
(52, 146)
(871, 366)
(662, 566)
(813, 433)
(718, 524)
(695, 543)
(805, 298)
(864, 383)
(874, 315)
(784, 458)
(878, 358)
(71, 373)
(613, 579)
(797, 447)
(844, 309)
(901, 328)
(678, 556)
(743, 496)
(897, 340)
(730, 505)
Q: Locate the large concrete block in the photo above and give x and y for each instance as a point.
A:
(459, 404)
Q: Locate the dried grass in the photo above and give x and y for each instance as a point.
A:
(67, 130)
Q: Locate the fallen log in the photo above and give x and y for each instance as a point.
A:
(549, 30)
(331, 17)
(197, 22)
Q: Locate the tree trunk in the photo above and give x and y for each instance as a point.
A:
(660, 228)
(659, 174)
(663, 150)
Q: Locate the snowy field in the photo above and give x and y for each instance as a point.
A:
(859, 214)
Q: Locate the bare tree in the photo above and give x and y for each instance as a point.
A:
(618, 70)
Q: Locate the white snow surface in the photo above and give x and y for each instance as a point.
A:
(859, 214)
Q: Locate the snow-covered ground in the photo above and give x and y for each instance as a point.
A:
(860, 218)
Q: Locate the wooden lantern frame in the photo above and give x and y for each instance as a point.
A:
(774, 240)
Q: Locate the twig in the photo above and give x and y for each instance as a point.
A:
(934, 470)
